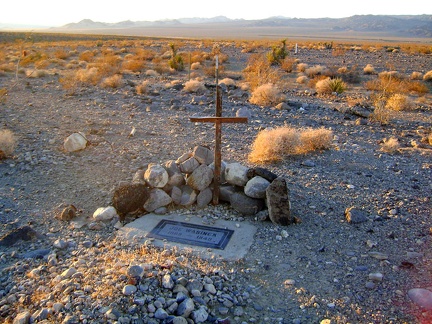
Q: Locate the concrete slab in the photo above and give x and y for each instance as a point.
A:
(237, 247)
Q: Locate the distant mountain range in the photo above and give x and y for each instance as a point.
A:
(418, 26)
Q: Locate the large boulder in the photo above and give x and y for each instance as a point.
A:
(236, 174)
(158, 198)
(256, 187)
(278, 202)
(129, 198)
(156, 176)
(246, 205)
(200, 178)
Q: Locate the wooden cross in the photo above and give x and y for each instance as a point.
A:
(218, 120)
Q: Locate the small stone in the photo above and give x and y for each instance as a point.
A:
(75, 142)
(129, 290)
(200, 315)
(370, 285)
(355, 216)
(376, 276)
(161, 314)
(105, 213)
(60, 244)
(135, 271)
(167, 281)
(421, 297)
(156, 176)
(378, 255)
(68, 273)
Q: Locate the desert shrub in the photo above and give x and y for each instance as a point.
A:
(259, 71)
(61, 54)
(151, 73)
(107, 65)
(7, 143)
(194, 86)
(399, 102)
(380, 113)
(86, 56)
(369, 69)
(3, 95)
(142, 88)
(114, 81)
(266, 95)
(36, 73)
(176, 60)
(329, 86)
(288, 64)
(302, 79)
(133, 65)
(315, 139)
(390, 145)
(428, 76)
(277, 54)
(90, 75)
(315, 70)
(273, 145)
(228, 82)
(69, 81)
(195, 66)
(416, 76)
(301, 67)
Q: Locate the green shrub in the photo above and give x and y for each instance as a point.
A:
(277, 54)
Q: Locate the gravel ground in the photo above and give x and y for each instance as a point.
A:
(322, 270)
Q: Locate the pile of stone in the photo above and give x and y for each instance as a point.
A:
(189, 180)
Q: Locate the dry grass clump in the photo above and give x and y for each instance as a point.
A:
(86, 56)
(90, 75)
(390, 145)
(266, 95)
(301, 67)
(428, 76)
(259, 71)
(151, 73)
(369, 69)
(195, 66)
(416, 75)
(228, 82)
(381, 113)
(143, 87)
(133, 65)
(114, 81)
(275, 144)
(7, 143)
(302, 79)
(399, 102)
(329, 86)
(288, 64)
(194, 86)
(315, 70)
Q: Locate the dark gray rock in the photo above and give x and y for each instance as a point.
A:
(129, 198)
(278, 202)
(355, 216)
(246, 205)
(24, 233)
(261, 172)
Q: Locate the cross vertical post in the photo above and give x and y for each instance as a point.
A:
(218, 120)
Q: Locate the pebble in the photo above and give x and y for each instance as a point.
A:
(422, 297)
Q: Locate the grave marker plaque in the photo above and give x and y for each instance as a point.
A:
(193, 234)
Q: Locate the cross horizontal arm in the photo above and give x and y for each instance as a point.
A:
(219, 119)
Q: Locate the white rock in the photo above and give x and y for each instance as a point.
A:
(200, 178)
(158, 198)
(104, 213)
(156, 176)
(236, 174)
(75, 142)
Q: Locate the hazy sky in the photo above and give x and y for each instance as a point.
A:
(58, 12)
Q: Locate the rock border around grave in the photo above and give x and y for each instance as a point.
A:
(188, 180)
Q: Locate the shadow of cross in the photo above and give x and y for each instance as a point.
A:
(218, 120)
